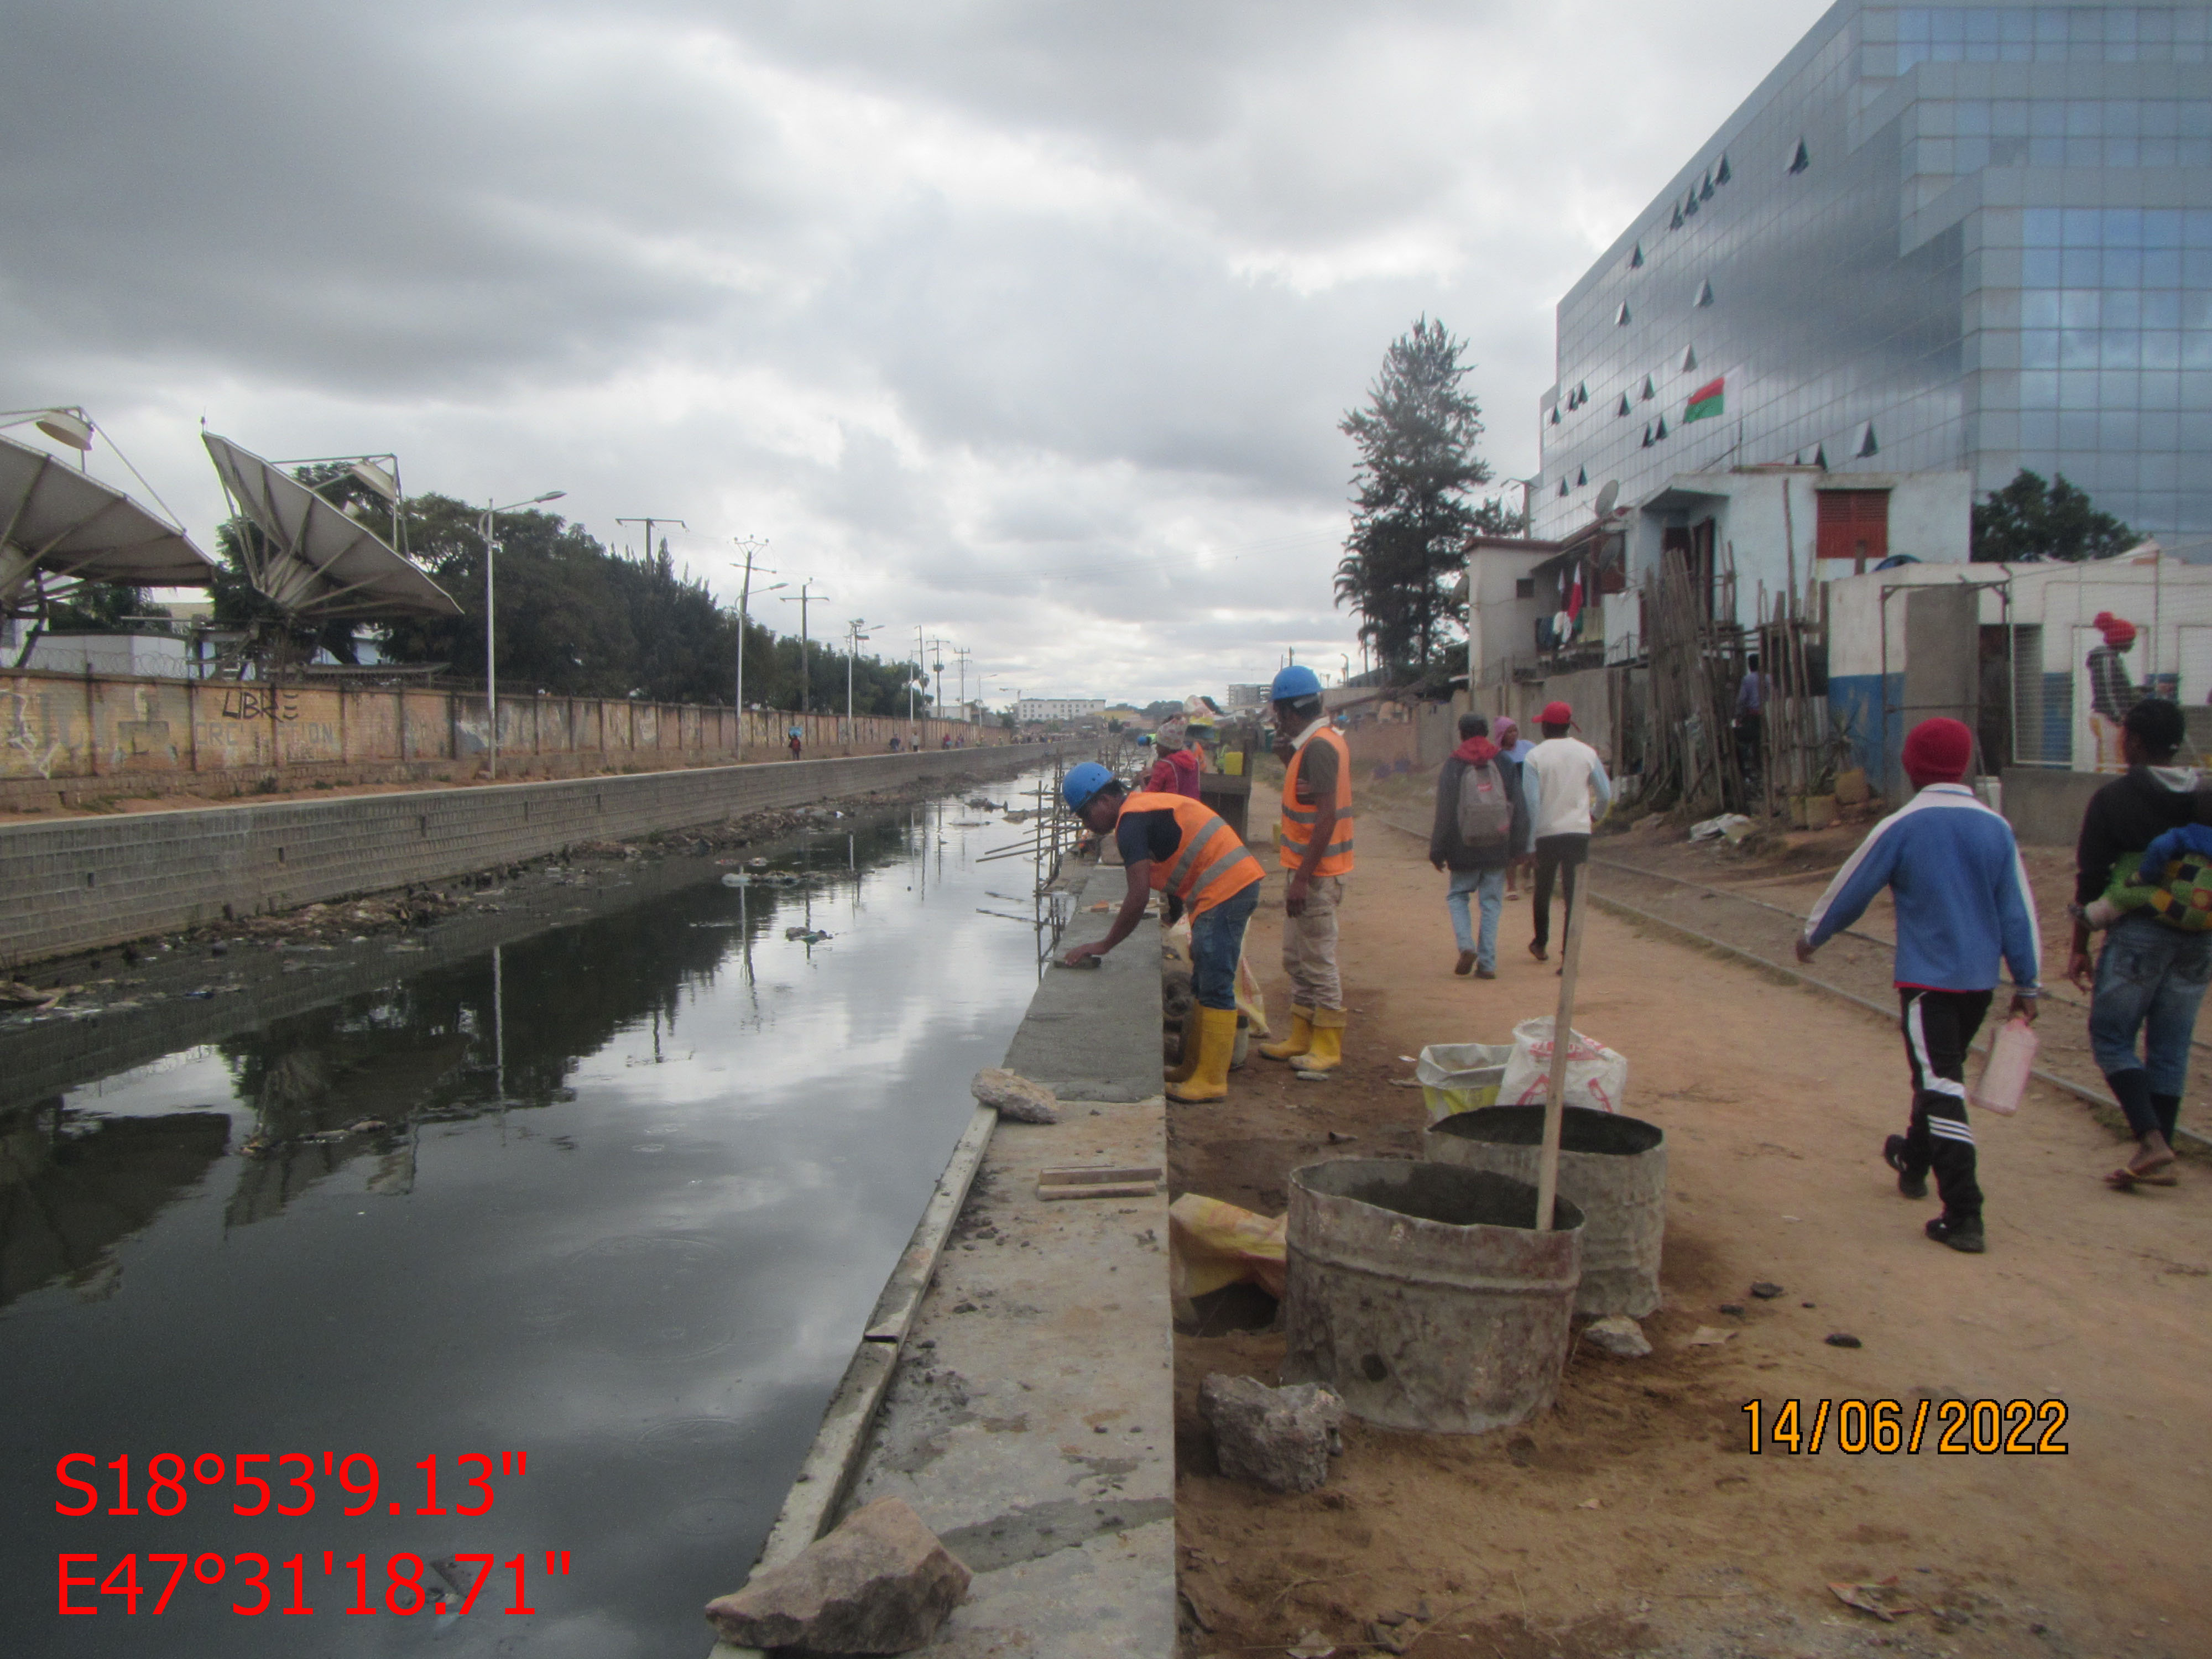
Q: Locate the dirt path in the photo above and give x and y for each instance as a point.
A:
(1630, 1519)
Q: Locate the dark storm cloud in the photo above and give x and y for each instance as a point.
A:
(1031, 319)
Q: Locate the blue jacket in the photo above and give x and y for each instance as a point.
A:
(1962, 895)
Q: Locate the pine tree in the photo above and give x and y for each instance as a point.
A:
(1411, 517)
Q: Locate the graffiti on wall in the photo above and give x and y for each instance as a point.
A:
(28, 751)
(252, 703)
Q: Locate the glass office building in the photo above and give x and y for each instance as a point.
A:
(1949, 237)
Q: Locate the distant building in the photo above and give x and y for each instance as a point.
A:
(1244, 699)
(1123, 713)
(1033, 710)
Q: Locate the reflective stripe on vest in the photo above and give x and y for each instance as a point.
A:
(1298, 820)
(1210, 864)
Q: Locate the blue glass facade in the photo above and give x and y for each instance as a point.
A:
(1973, 237)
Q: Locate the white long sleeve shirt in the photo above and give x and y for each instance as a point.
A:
(1562, 781)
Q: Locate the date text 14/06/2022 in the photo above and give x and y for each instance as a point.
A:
(450, 1589)
(165, 1484)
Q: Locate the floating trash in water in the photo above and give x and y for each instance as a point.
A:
(806, 935)
(735, 881)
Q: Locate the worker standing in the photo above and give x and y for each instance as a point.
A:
(1171, 844)
(1317, 835)
(1564, 784)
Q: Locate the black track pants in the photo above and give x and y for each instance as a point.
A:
(1556, 855)
(1939, 1026)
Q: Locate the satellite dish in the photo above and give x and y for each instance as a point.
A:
(56, 521)
(375, 477)
(1607, 496)
(317, 564)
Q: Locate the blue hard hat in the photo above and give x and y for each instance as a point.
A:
(1295, 682)
(1082, 783)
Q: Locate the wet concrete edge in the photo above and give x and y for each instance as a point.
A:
(1093, 1037)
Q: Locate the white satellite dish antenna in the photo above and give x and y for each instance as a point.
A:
(316, 563)
(1607, 496)
(57, 522)
(375, 477)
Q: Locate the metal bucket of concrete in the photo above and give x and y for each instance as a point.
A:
(1614, 1169)
(1424, 1295)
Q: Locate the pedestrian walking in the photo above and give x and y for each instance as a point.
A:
(1564, 785)
(2150, 976)
(794, 742)
(1316, 838)
(1481, 825)
(1505, 733)
(1172, 845)
(1962, 907)
(2112, 693)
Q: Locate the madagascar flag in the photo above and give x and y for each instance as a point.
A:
(1705, 400)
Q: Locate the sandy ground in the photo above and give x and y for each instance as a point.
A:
(1631, 1519)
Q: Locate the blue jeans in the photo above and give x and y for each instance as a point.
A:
(2150, 978)
(1491, 886)
(1217, 941)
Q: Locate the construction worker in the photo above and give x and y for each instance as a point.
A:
(1171, 844)
(1316, 849)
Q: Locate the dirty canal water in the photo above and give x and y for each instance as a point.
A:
(606, 1208)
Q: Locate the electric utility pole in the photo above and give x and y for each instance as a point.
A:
(938, 645)
(852, 638)
(649, 524)
(963, 653)
(804, 599)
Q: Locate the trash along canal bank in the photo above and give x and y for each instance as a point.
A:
(581, 1225)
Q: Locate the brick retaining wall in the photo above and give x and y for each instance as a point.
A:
(90, 882)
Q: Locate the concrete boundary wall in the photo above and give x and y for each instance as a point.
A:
(85, 883)
(2044, 807)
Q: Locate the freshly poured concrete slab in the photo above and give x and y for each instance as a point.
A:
(1094, 1033)
(1031, 1422)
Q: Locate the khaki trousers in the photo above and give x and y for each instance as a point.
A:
(1310, 947)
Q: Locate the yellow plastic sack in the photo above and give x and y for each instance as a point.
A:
(1212, 1243)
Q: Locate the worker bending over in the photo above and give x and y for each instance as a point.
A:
(1565, 789)
(1317, 835)
(1962, 902)
(1171, 844)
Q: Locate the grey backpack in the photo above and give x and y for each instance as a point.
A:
(1486, 812)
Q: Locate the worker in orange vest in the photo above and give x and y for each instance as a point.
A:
(1316, 837)
(1171, 844)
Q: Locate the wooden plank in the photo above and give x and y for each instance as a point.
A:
(1131, 1189)
(1076, 1175)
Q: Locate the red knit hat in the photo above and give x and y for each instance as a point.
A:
(1938, 752)
(2118, 631)
(1556, 713)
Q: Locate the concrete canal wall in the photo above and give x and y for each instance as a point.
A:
(84, 883)
(1016, 1384)
(68, 739)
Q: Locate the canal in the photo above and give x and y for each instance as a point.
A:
(583, 1229)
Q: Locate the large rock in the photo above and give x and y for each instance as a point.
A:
(880, 1583)
(1279, 1438)
(1619, 1334)
(1015, 1095)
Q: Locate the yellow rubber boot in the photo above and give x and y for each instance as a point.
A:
(1217, 1036)
(1298, 1042)
(1327, 1053)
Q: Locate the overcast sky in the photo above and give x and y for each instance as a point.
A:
(1030, 321)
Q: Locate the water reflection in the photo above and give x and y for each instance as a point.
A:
(622, 1194)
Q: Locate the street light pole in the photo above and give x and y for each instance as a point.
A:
(852, 638)
(491, 640)
(749, 545)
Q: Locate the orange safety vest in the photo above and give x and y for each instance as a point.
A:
(1298, 820)
(1210, 864)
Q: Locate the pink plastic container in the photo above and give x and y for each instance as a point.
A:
(2004, 1078)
